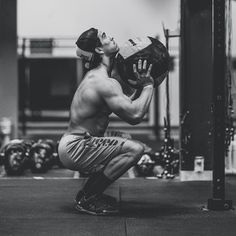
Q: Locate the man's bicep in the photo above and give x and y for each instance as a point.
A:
(117, 101)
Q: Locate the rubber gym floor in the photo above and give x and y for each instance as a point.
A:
(42, 204)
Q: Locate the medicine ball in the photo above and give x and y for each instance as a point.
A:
(147, 48)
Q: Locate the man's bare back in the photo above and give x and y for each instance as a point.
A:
(88, 110)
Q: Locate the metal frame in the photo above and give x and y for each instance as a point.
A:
(218, 201)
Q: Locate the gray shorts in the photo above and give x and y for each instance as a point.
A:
(88, 154)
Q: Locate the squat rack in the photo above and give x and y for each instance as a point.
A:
(218, 202)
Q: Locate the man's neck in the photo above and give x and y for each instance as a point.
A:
(107, 63)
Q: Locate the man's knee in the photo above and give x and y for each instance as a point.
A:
(135, 148)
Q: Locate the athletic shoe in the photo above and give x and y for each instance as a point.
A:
(95, 205)
(109, 199)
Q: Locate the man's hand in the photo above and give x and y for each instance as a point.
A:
(142, 74)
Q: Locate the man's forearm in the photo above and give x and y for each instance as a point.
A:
(136, 94)
(141, 104)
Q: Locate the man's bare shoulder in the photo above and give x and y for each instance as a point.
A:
(110, 85)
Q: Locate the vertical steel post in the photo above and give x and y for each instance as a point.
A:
(218, 201)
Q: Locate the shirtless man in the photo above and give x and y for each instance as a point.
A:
(83, 147)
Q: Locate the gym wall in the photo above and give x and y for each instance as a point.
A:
(63, 18)
(8, 63)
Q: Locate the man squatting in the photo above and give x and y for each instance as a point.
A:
(83, 147)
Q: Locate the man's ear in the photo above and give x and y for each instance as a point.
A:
(99, 50)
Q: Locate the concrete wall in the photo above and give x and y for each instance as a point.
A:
(121, 19)
(8, 63)
(233, 8)
(71, 17)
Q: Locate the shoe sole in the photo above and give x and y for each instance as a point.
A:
(82, 210)
(113, 201)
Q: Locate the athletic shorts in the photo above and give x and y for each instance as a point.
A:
(88, 154)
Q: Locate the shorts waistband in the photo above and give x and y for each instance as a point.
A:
(79, 133)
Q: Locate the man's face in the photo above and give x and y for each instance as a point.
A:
(109, 45)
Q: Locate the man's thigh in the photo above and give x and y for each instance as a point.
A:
(100, 151)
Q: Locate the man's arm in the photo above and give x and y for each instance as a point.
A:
(129, 91)
(136, 93)
(128, 110)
